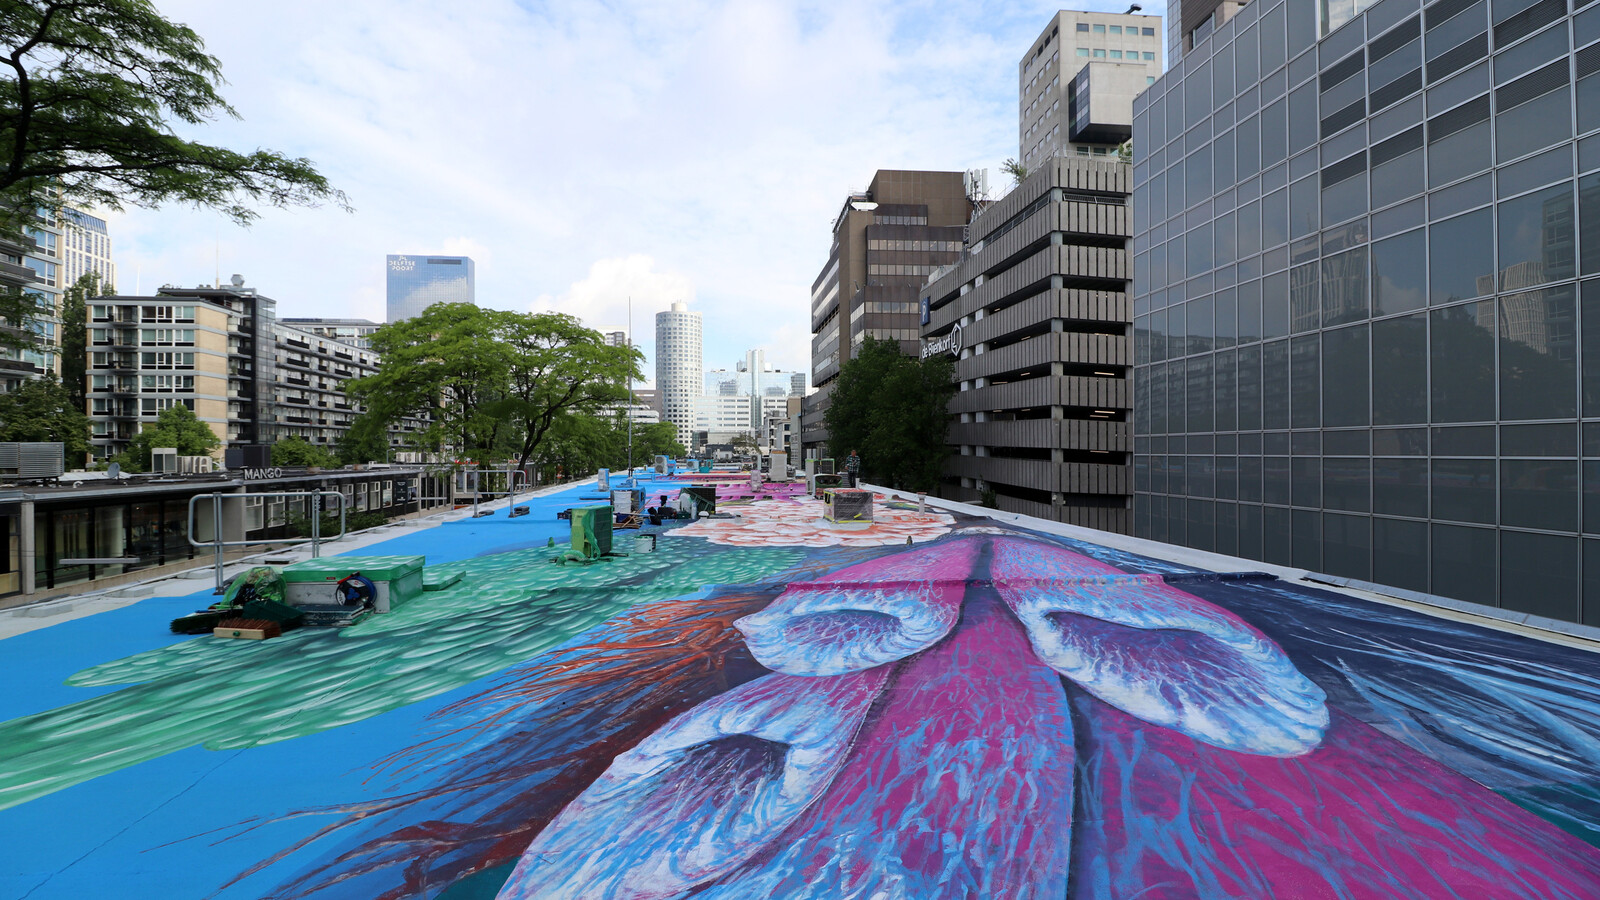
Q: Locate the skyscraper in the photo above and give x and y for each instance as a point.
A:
(678, 372)
(1365, 256)
(418, 282)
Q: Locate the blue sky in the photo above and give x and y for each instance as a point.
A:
(585, 152)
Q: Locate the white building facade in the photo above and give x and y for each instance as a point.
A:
(678, 366)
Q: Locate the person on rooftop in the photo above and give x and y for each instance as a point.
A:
(852, 467)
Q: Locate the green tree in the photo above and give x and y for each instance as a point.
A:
(41, 409)
(75, 334)
(893, 411)
(367, 440)
(494, 382)
(559, 368)
(89, 93)
(89, 90)
(175, 427)
(1016, 170)
(446, 364)
(297, 451)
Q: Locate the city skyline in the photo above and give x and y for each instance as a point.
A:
(550, 223)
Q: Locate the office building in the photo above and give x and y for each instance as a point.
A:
(85, 246)
(886, 241)
(754, 376)
(1368, 331)
(1077, 81)
(678, 369)
(418, 282)
(1037, 315)
(355, 332)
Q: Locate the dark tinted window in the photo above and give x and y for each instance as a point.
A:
(1461, 359)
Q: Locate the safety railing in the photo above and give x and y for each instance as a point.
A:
(476, 478)
(220, 545)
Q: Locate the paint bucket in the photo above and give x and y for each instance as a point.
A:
(644, 543)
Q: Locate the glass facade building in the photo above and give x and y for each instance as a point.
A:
(418, 282)
(1366, 247)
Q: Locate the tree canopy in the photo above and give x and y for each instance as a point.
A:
(89, 93)
(177, 427)
(75, 333)
(492, 382)
(578, 445)
(41, 409)
(297, 451)
(893, 411)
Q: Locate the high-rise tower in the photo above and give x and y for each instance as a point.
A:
(678, 372)
(418, 282)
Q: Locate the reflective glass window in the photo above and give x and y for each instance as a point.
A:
(1305, 375)
(1275, 384)
(1400, 487)
(1274, 133)
(1346, 483)
(1463, 490)
(1536, 238)
(1304, 306)
(1344, 287)
(1400, 553)
(1250, 311)
(1397, 179)
(1347, 546)
(1303, 216)
(1275, 480)
(1461, 360)
(1344, 377)
(1539, 123)
(1539, 493)
(1275, 305)
(1461, 257)
(1248, 147)
(1539, 574)
(1227, 384)
(1249, 388)
(1538, 354)
(1275, 218)
(1589, 210)
(1591, 348)
(1400, 273)
(1458, 155)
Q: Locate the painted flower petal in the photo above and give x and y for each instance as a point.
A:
(864, 615)
(1159, 653)
(702, 795)
(959, 785)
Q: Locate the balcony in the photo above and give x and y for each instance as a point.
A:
(302, 381)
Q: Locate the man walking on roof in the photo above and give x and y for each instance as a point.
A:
(852, 467)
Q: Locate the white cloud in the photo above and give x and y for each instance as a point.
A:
(580, 152)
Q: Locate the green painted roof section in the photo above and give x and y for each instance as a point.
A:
(333, 568)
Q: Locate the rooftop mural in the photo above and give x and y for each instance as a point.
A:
(936, 705)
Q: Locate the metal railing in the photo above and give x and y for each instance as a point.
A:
(219, 544)
(511, 480)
